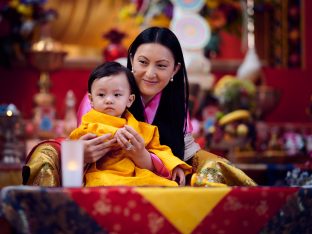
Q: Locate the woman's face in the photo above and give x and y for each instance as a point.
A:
(153, 66)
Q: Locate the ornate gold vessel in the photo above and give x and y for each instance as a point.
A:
(46, 55)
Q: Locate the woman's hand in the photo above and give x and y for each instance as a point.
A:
(129, 139)
(95, 147)
(178, 173)
(134, 145)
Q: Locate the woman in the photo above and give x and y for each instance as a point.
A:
(112, 90)
(155, 57)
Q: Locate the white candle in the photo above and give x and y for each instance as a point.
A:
(72, 163)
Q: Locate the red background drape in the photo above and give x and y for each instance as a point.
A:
(18, 85)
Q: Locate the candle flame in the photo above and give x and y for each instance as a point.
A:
(72, 166)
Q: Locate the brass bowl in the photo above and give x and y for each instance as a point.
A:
(47, 55)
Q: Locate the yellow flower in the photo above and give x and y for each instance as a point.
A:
(139, 19)
(160, 20)
(132, 8)
(25, 10)
(127, 11)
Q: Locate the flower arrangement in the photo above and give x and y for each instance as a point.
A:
(234, 94)
(220, 15)
(114, 35)
(19, 22)
(148, 13)
(114, 49)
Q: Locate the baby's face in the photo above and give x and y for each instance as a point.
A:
(111, 94)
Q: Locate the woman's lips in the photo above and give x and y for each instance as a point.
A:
(150, 82)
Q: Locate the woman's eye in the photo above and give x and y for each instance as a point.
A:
(162, 66)
(142, 62)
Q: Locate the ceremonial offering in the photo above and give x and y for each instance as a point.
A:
(46, 55)
(12, 146)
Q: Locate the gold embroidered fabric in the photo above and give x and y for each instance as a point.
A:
(42, 168)
(211, 170)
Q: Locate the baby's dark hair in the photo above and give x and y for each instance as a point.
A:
(112, 68)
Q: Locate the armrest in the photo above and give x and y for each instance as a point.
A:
(43, 164)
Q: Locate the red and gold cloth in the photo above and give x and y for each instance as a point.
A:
(159, 209)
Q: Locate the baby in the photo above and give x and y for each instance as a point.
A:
(138, 158)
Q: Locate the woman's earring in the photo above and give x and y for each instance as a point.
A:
(133, 71)
(171, 79)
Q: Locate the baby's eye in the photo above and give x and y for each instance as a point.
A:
(101, 94)
(118, 94)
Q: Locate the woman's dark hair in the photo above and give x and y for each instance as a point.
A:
(171, 115)
(113, 68)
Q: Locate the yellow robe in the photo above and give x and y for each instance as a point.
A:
(116, 168)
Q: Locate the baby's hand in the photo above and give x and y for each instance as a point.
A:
(178, 172)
